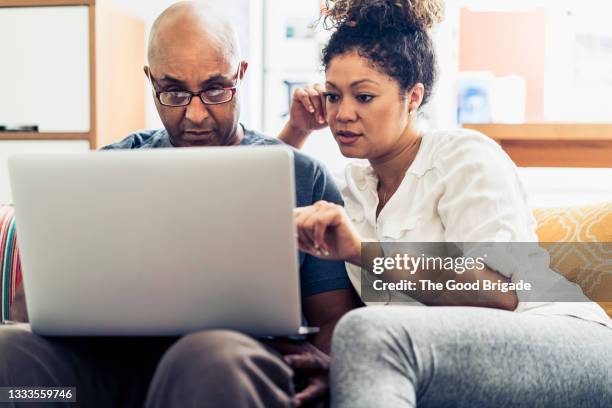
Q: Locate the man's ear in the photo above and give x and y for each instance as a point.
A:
(243, 69)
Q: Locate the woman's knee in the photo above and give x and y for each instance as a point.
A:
(361, 328)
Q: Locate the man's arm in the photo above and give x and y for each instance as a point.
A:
(325, 309)
(18, 311)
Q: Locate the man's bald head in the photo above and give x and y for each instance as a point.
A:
(194, 49)
(194, 25)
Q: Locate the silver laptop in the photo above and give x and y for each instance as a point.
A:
(158, 242)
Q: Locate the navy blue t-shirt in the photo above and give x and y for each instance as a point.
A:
(312, 183)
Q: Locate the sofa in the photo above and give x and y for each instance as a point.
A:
(588, 224)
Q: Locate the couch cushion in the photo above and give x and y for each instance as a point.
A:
(10, 265)
(575, 224)
(584, 262)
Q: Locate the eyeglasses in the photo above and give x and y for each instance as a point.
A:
(213, 96)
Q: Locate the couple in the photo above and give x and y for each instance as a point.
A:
(454, 186)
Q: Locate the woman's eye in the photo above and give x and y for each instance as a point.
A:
(364, 98)
(332, 98)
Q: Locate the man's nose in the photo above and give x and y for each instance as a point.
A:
(196, 112)
(346, 112)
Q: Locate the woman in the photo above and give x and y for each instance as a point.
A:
(454, 186)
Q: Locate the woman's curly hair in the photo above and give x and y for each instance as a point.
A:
(392, 34)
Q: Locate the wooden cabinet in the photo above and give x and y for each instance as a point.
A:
(73, 68)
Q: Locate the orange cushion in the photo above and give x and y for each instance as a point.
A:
(584, 262)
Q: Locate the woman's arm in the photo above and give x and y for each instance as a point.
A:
(307, 113)
(293, 136)
(325, 231)
(443, 297)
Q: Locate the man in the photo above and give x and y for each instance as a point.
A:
(195, 71)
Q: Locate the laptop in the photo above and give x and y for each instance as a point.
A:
(158, 242)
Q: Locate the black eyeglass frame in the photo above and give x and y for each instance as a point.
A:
(200, 94)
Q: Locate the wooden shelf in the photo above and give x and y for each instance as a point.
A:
(45, 3)
(545, 131)
(43, 136)
(553, 145)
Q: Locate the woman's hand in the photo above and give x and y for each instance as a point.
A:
(325, 231)
(307, 113)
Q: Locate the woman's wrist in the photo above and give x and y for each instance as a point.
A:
(365, 254)
(294, 136)
(356, 257)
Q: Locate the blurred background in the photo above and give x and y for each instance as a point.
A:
(535, 75)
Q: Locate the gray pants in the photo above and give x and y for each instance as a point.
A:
(402, 356)
(205, 369)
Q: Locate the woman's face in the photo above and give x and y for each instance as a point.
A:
(366, 111)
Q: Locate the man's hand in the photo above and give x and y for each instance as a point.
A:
(309, 364)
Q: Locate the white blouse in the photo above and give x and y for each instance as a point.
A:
(462, 188)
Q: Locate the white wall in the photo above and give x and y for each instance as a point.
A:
(554, 187)
(44, 66)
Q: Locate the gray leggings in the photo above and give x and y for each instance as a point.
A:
(404, 356)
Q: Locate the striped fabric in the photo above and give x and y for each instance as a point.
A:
(10, 265)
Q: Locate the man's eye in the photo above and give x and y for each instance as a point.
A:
(214, 92)
(176, 94)
(174, 98)
(331, 98)
(364, 98)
